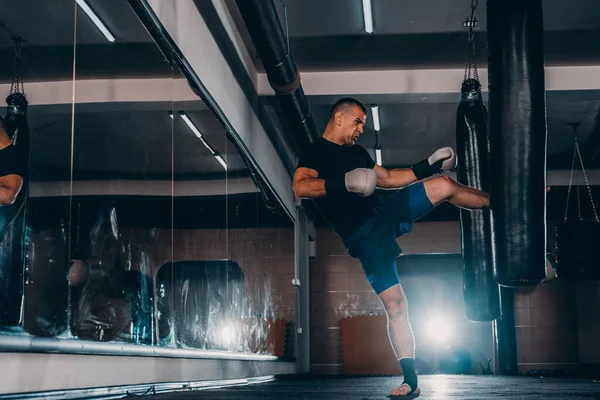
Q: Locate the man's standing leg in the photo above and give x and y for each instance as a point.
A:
(401, 337)
(422, 198)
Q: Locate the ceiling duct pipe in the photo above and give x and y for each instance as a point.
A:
(262, 22)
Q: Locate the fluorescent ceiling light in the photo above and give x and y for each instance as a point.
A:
(171, 115)
(368, 16)
(208, 146)
(378, 156)
(375, 111)
(96, 20)
(189, 123)
(220, 159)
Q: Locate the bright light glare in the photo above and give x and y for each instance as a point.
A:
(439, 329)
(226, 333)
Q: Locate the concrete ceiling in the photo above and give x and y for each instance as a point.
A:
(61, 40)
(131, 141)
(329, 35)
(52, 22)
(111, 140)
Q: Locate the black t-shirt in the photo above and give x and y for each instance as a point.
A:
(344, 212)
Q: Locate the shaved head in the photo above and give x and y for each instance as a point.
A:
(346, 122)
(346, 105)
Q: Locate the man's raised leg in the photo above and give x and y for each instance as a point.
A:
(444, 188)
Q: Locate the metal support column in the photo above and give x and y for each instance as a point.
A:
(301, 282)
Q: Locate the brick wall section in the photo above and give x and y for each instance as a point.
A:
(546, 326)
(557, 323)
(340, 289)
(266, 257)
(588, 321)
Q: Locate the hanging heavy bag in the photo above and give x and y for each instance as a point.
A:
(16, 123)
(13, 217)
(577, 239)
(517, 132)
(17, 128)
(480, 290)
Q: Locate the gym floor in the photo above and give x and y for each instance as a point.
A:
(432, 386)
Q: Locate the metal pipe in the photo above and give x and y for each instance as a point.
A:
(262, 21)
(28, 344)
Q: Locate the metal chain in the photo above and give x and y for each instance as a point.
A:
(570, 184)
(470, 63)
(578, 202)
(17, 79)
(577, 153)
(587, 183)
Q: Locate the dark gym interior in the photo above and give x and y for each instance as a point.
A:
(157, 247)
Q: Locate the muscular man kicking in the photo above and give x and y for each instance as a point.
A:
(341, 177)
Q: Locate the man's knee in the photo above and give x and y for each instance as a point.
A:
(446, 185)
(396, 307)
(440, 188)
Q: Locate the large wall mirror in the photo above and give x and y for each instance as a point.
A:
(141, 222)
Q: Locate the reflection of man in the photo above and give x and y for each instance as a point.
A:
(14, 180)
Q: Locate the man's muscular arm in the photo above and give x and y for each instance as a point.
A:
(10, 186)
(395, 178)
(307, 184)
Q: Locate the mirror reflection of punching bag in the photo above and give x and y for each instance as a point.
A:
(14, 172)
(16, 122)
(14, 158)
(14, 150)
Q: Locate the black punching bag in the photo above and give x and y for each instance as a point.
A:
(13, 218)
(480, 291)
(517, 134)
(506, 336)
(16, 123)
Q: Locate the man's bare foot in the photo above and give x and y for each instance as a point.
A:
(405, 390)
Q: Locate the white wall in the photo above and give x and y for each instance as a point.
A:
(33, 372)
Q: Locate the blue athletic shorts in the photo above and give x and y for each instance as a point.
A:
(374, 243)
